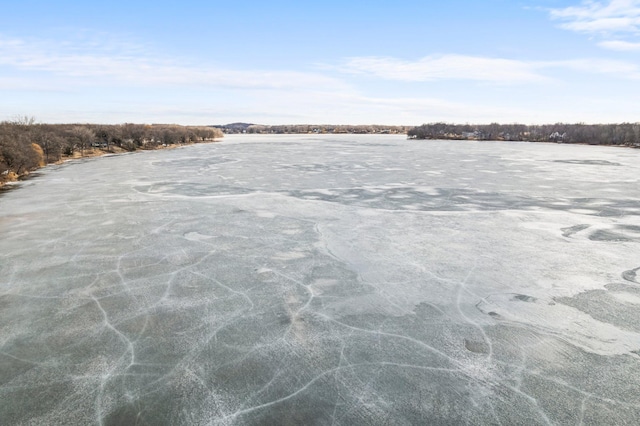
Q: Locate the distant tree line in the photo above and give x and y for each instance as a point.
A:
(627, 134)
(26, 145)
(311, 128)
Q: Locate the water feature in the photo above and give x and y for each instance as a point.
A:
(324, 279)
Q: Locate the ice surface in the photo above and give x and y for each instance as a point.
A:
(325, 280)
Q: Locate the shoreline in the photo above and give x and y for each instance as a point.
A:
(13, 181)
(511, 141)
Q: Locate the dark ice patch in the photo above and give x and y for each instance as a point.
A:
(631, 275)
(567, 232)
(476, 346)
(605, 235)
(524, 298)
(459, 199)
(589, 162)
(607, 306)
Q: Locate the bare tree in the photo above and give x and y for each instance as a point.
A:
(83, 136)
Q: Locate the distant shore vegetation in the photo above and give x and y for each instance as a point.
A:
(26, 146)
(625, 134)
(311, 128)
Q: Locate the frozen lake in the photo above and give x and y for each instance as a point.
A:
(344, 280)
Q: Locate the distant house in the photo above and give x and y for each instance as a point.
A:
(472, 135)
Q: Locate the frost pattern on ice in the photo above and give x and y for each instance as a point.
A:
(324, 280)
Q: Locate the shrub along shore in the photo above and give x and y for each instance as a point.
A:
(26, 146)
(623, 134)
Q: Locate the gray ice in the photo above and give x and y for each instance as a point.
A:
(325, 279)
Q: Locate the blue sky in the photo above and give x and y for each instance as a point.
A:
(339, 62)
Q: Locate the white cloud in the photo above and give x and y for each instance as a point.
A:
(109, 62)
(613, 68)
(620, 45)
(493, 70)
(614, 16)
(457, 67)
